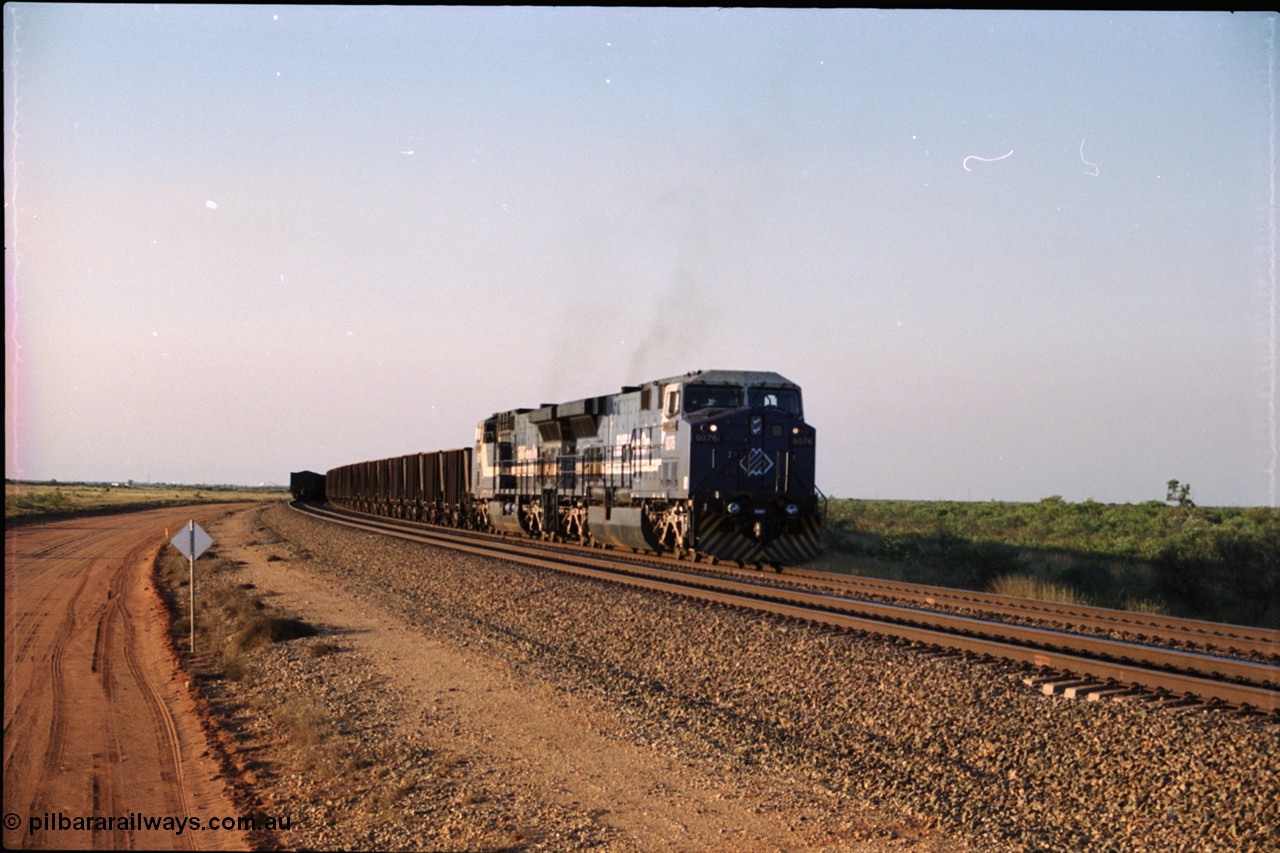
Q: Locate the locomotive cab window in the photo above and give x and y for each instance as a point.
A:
(699, 397)
(787, 399)
(673, 403)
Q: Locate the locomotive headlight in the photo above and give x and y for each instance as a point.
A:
(801, 437)
(734, 508)
(707, 434)
(793, 510)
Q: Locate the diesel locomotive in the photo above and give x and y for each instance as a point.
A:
(716, 464)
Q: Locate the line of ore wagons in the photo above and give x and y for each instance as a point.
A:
(434, 487)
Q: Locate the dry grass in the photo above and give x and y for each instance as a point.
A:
(1148, 606)
(30, 500)
(1026, 586)
(232, 621)
(233, 625)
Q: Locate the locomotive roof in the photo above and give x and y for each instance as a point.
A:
(589, 405)
(733, 377)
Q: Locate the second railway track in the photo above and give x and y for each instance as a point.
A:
(1237, 670)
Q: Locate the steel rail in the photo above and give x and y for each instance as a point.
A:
(1242, 639)
(1234, 681)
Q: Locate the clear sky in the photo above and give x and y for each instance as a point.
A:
(1008, 255)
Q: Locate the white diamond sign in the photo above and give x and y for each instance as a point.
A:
(756, 463)
(191, 540)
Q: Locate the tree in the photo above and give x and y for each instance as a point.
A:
(1180, 493)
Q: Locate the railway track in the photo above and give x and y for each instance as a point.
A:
(1180, 659)
(1242, 641)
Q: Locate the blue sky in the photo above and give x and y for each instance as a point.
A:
(1008, 255)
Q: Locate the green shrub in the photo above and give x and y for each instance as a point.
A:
(1216, 563)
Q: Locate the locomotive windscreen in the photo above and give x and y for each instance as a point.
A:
(787, 399)
(698, 397)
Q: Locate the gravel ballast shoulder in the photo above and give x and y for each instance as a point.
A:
(958, 754)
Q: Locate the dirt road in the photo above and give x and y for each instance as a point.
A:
(102, 745)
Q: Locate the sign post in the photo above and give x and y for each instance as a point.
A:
(192, 541)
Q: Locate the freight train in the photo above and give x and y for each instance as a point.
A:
(713, 464)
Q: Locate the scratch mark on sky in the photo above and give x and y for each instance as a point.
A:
(983, 159)
(1271, 223)
(15, 70)
(1094, 166)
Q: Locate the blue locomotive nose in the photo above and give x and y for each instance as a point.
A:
(752, 453)
(754, 469)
